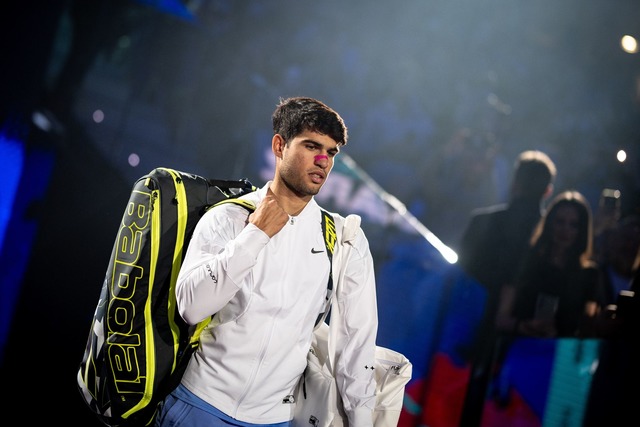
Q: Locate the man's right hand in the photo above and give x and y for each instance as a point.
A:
(269, 215)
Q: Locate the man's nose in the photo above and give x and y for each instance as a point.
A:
(321, 160)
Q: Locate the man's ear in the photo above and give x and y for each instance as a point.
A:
(277, 145)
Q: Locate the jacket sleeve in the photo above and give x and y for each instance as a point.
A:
(218, 262)
(356, 336)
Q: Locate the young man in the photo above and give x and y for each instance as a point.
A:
(264, 276)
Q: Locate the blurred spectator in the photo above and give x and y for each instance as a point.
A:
(628, 307)
(605, 219)
(617, 258)
(619, 279)
(491, 247)
(555, 293)
(613, 393)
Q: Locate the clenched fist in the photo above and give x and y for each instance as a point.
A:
(269, 215)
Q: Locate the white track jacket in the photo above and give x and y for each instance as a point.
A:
(266, 295)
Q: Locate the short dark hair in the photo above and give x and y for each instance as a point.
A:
(534, 172)
(293, 116)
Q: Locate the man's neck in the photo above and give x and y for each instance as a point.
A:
(291, 202)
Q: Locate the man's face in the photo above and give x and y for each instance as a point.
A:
(306, 162)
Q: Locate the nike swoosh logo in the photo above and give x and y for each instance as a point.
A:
(313, 251)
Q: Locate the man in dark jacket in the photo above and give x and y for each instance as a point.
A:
(490, 251)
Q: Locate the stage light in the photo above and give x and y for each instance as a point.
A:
(621, 156)
(629, 44)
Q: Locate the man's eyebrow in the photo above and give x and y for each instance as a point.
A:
(318, 144)
(311, 141)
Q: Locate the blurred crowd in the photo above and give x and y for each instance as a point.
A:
(552, 267)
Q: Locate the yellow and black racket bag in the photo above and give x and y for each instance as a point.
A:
(138, 344)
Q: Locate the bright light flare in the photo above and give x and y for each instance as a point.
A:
(621, 156)
(629, 44)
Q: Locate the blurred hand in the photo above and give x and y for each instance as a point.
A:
(540, 328)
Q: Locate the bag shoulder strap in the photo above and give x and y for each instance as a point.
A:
(334, 237)
(248, 205)
(330, 239)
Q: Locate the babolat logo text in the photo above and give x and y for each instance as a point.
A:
(127, 275)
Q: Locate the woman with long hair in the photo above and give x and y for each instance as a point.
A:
(555, 293)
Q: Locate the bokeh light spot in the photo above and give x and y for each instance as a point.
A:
(629, 44)
(134, 160)
(98, 116)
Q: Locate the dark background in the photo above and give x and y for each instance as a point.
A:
(439, 97)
